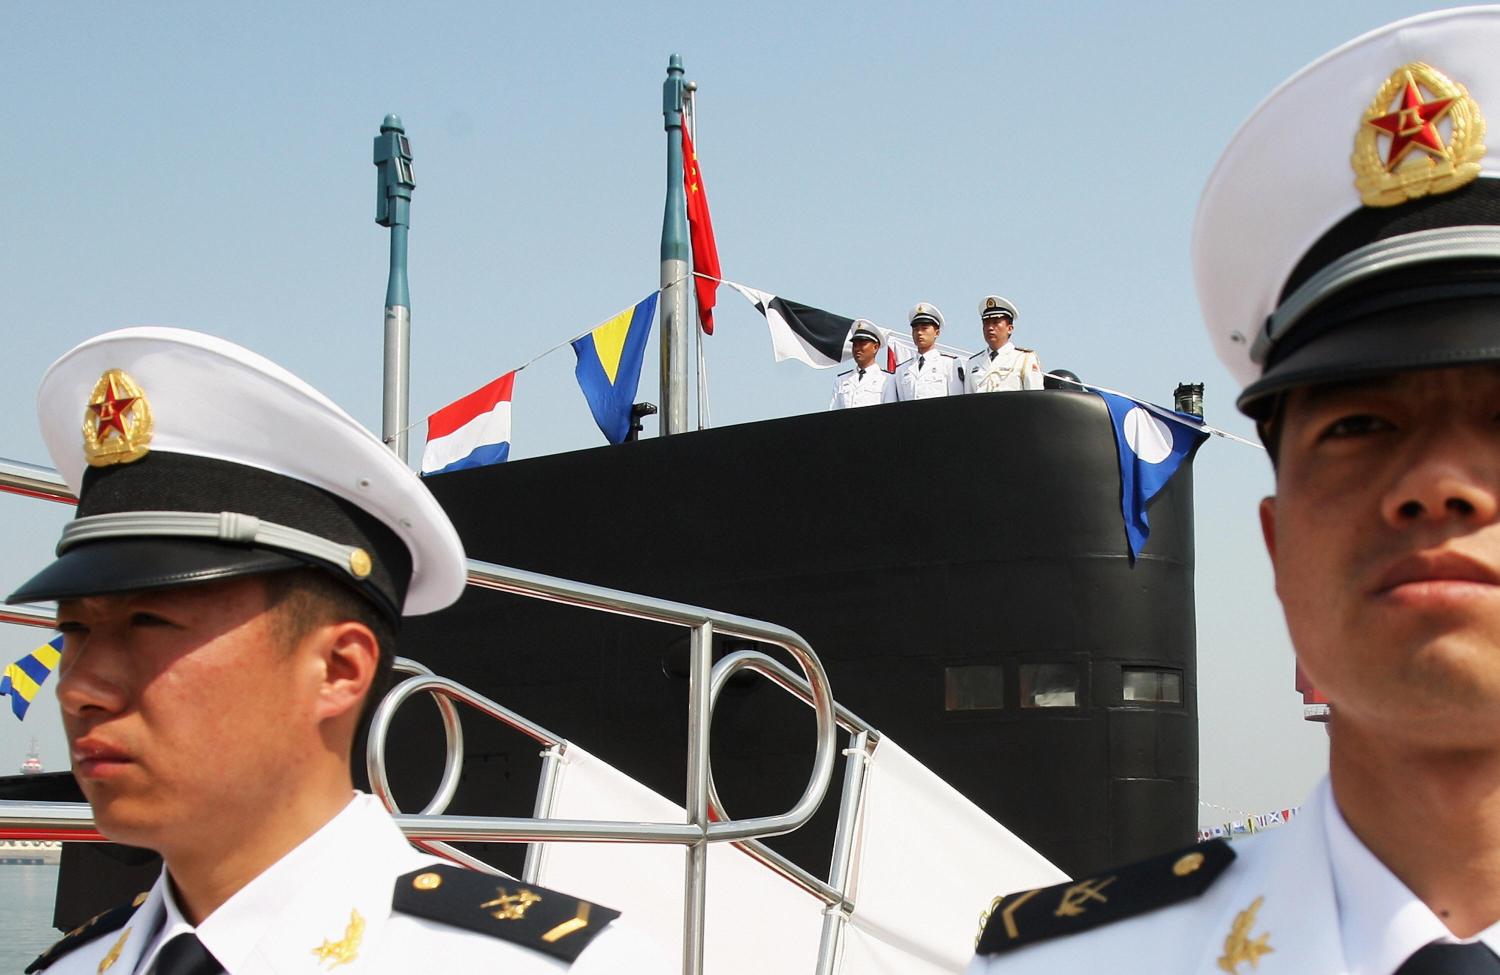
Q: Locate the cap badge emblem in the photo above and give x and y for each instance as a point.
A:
(1421, 134)
(989, 303)
(117, 422)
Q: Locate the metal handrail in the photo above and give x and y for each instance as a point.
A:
(26, 615)
(34, 482)
(701, 829)
(706, 623)
(863, 737)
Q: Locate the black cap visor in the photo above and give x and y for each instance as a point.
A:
(136, 564)
(1430, 334)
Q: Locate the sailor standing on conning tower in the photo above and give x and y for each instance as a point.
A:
(1001, 365)
(864, 384)
(929, 373)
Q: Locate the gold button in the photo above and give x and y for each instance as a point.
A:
(427, 881)
(1187, 863)
(359, 563)
(140, 898)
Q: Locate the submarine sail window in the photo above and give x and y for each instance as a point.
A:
(976, 687)
(1049, 686)
(1156, 686)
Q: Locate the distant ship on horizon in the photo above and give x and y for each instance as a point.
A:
(33, 762)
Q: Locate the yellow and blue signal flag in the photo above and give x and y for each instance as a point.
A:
(22, 679)
(609, 367)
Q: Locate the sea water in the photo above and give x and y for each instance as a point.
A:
(26, 894)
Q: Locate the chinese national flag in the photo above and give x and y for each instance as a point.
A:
(701, 226)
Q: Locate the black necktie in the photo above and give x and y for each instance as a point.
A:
(993, 353)
(861, 374)
(185, 955)
(921, 361)
(1448, 959)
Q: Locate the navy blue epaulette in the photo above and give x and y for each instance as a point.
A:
(100, 924)
(1031, 916)
(846, 372)
(950, 355)
(544, 920)
(979, 353)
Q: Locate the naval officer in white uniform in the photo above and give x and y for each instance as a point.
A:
(1001, 365)
(1347, 255)
(229, 592)
(930, 373)
(865, 383)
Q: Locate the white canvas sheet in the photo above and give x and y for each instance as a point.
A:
(929, 864)
(758, 922)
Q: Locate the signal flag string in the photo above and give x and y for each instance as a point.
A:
(1169, 414)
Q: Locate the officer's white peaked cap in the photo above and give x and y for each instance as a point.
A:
(994, 306)
(195, 459)
(863, 328)
(924, 312)
(1362, 187)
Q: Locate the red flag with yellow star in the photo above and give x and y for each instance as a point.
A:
(701, 228)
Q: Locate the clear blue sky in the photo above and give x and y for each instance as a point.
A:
(208, 166)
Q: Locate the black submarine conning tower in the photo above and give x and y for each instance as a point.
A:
(960, 565)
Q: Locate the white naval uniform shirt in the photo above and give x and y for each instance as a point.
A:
(309, 897)
(1326, 907)
(940, 374)
(1011, 368)
(852, 389)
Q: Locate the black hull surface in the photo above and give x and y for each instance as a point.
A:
(901, 541)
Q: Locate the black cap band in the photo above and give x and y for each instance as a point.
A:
(163, 481)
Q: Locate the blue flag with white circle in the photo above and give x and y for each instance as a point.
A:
(1153, 442)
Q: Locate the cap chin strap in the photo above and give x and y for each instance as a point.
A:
(1380, 257)
(226, 526)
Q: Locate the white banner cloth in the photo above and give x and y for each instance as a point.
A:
(928, 866)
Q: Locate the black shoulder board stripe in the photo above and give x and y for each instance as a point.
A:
(544, 920)
(1019, 349)
(950, 355)
(845, 373)
(100, 924)
(1031, 916)
(978, 354)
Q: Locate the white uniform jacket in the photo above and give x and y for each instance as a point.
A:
(328, 903)
(1276, 909)
(1011, 368)
(940, 374)
(852, 389)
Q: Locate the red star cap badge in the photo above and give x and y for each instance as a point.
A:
(1413, 124)
(117, 425)
(110, 411)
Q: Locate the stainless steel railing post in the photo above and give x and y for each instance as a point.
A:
(700, 712)
(836, 916)
(546, 796)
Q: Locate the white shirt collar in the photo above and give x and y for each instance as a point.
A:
(1381, 921)
(233, 931)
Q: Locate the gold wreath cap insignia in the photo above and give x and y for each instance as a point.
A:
(1421, 134)
(117, 421)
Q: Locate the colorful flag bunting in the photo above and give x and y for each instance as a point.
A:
(701, 232)
(809, 335)
(22, 679)
(471, 432)
(1153, 443)
(609, 366)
